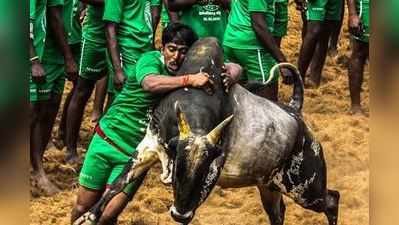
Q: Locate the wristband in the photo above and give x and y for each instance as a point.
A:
(34, 58)
(185, 80)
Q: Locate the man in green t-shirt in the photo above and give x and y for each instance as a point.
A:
(129, 32)
(125, 122)
(51, 59)
(321, 17)
(248, 41)
(359, 27)
(73, 32)
(207, 17)
(92, 67)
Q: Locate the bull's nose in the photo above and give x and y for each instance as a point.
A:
(179, 217)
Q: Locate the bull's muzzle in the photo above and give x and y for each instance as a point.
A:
(180, 217)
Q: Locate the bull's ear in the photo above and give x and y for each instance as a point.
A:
(214, 136)
(184, 127)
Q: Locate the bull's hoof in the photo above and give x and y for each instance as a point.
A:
(86, 219)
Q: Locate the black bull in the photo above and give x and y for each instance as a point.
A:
(265, 145)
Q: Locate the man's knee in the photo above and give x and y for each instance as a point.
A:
(360, 51)
(314, 30)
(84, 88)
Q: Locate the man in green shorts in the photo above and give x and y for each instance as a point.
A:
(73, 31)
(92, 67)
(322, 16)
(129, 32)
(207, 17)
(124, 123)
(51, 58)
(280, 20)
(248, 41)
(359, 27)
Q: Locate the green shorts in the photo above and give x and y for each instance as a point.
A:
(55, 79)
(321, 10)
(102, 166)
(92, 63)
(54, 85)
(255, 62)
(280, 18)
(364, 8)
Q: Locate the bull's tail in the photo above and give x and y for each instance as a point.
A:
(298, 90)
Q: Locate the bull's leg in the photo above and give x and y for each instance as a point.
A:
(304, 179)
(273, 204)
(128, 175)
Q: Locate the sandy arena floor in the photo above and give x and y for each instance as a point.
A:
(344, 138)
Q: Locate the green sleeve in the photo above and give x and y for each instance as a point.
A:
(257, 6)
(51, 3)
(147, 64)
(113, 10)
(155, 2)
(32, 9)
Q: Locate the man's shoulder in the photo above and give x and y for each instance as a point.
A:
(151, 55)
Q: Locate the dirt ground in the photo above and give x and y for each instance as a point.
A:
(344, 138)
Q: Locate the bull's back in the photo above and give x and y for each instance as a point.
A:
(260, 136)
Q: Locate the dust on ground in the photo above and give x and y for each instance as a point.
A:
(344, 139)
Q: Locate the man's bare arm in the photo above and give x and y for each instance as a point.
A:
(173, 17)
(37, 71)
(265, 37)
(353, 18)
(161, 83)
(57, 27)
(156, 15)
(113, 49)
(93, 2)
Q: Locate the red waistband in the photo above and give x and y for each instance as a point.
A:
(101, 133)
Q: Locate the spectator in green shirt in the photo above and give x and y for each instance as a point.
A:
(249, 41)
(321, 18)
(359, 27)
(207, 17)
(51, 58)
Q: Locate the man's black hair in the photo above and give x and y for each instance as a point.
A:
(179, 34)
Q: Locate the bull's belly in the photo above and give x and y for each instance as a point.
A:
(242, 173)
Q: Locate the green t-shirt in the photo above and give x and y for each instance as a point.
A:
(52, 53)
(37, 16)
(93, 27)
(239, 32)
(134, 25)
(126, 120)
(208, 20)
(71, 21)
(164, 15)
(164, 12)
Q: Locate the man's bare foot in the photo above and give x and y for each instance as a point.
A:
(58, 142)
(356, 110)
(45, 184)
(310, 84)
(333, 52)
(95, 116)
(72, 157)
